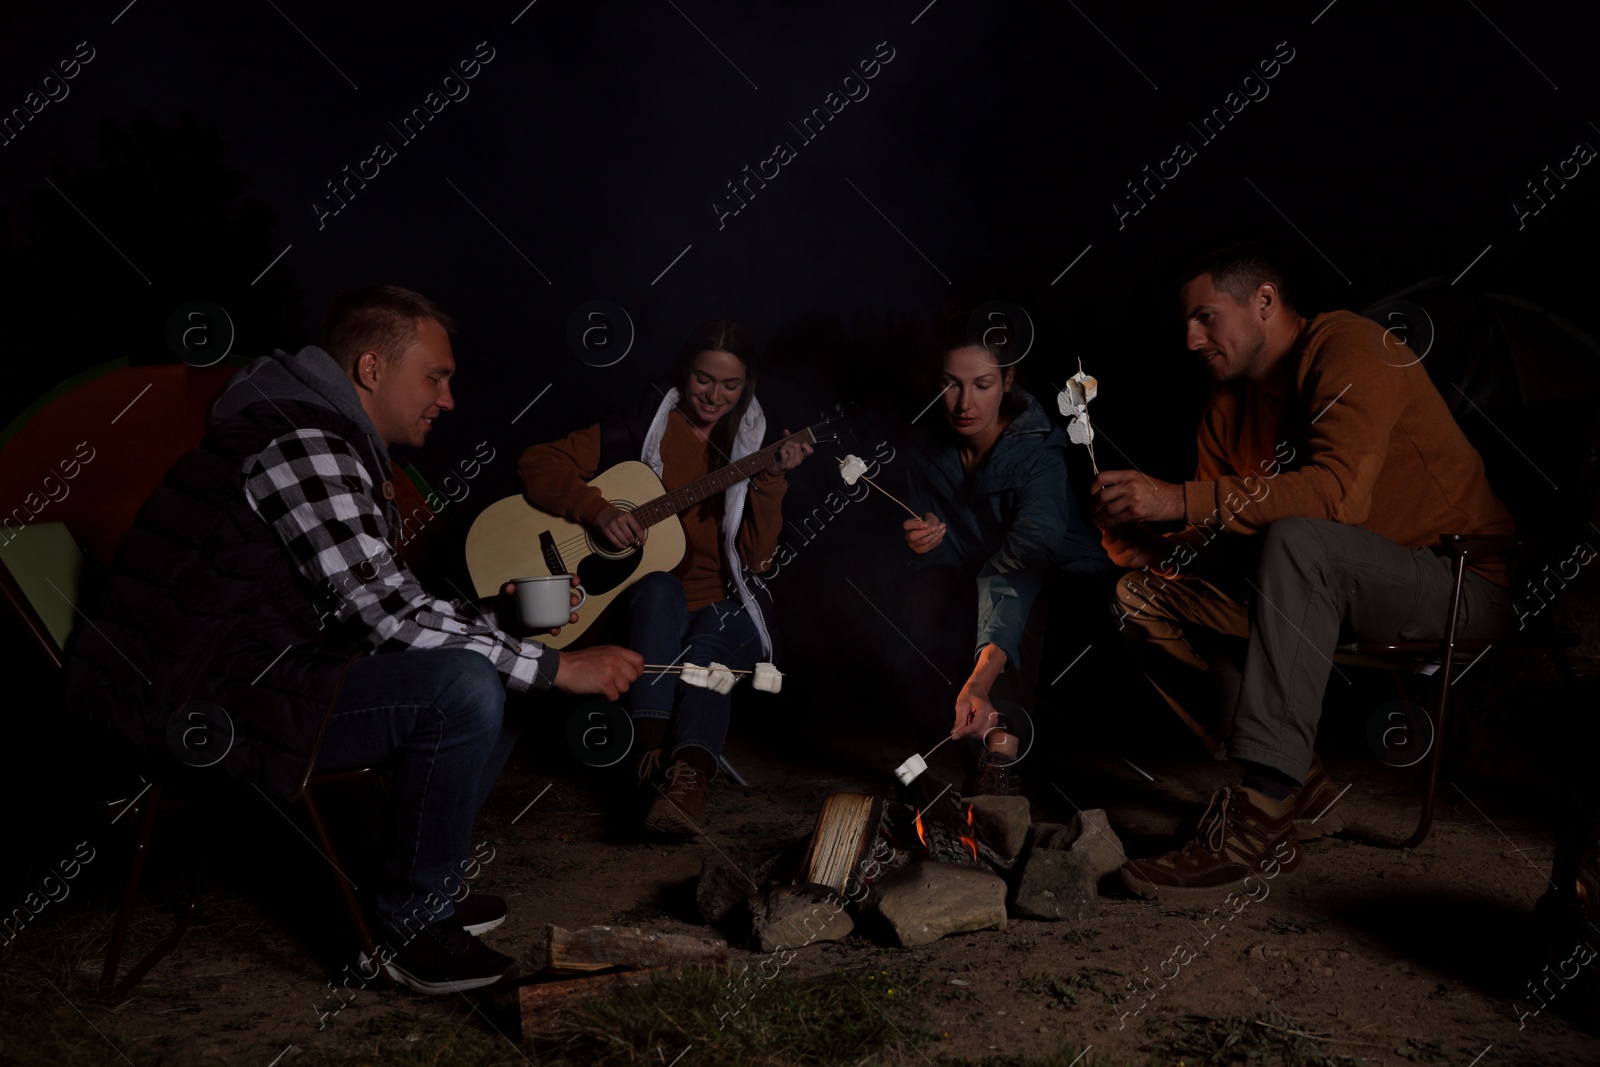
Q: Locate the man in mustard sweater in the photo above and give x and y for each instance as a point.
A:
(1329, 468)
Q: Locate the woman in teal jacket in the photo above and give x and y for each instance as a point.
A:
(997, 512)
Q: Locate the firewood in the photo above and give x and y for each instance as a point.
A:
(599, 948)
(846, 830)
(539, 1004)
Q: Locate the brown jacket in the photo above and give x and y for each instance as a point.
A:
(1354, 431)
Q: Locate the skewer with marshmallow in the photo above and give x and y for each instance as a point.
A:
(719, 677)
(853, 468)
(913, 767)
(1073, 400)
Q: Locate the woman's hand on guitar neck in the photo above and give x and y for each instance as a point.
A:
(621, 528)
(604, 670)
(790, 454)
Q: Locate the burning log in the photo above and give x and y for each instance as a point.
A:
(952, 839)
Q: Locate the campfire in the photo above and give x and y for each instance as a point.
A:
(946, 853)
(920, 859)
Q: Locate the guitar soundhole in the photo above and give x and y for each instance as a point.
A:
(600, 545)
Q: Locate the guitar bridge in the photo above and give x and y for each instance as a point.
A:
(552, 554)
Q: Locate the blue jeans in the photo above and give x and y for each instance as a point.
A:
(438, 719)
(663, 630)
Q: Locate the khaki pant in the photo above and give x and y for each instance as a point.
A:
(1259, 634)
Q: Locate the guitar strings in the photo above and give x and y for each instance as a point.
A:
(585, 538)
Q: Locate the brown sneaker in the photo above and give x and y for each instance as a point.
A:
(1314, 803)
(682, 806)
(1239, 844)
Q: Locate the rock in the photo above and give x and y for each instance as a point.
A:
(796, 916)
(1056, 884)
(926, 901)
(1050, 835)
(722, 888)
(725, 885)
(1096, 843)
(1001, 823)
(1089, 837)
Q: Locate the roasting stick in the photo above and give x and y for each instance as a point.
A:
(890, 495)
(766, 677)
(851, 468)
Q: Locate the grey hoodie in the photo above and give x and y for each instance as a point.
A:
(309, 376)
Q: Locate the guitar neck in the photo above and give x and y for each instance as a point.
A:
(687, 496)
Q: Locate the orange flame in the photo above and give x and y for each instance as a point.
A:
(921, 836)
(970, 842)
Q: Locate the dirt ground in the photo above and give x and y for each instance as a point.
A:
(1382, 956)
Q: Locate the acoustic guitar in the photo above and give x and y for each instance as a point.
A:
(513, 539)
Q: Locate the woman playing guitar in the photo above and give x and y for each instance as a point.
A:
(708, 608)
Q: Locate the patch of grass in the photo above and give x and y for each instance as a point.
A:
(778, 1021)
(1218, 1041)
(1066, 991)
(416, 1039)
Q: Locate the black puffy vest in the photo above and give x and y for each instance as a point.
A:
(205, 604)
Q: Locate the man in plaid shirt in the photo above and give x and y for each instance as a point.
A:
(222, 593)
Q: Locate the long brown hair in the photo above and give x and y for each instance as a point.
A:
(720, 335)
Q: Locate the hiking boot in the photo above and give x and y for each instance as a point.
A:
(649, 770)
(443, 958)
(1244, 839)
(680, 808)
(1314, 802)
(997, 776)
(478, 913)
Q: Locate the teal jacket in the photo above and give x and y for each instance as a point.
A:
(1014, 521)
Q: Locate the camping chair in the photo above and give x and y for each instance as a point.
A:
(1538, 374)
(42, 573)
(1442, 658)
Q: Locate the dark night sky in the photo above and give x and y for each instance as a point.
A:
(599, 136)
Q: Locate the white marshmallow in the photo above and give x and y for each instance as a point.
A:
(1079, 432)
(720, 679)
(907, 772)
(851, 468)
(1076, 393)
(695, 676)
(1087, 385)
(767, 678)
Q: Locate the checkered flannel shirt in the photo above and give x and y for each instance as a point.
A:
(314, 491)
